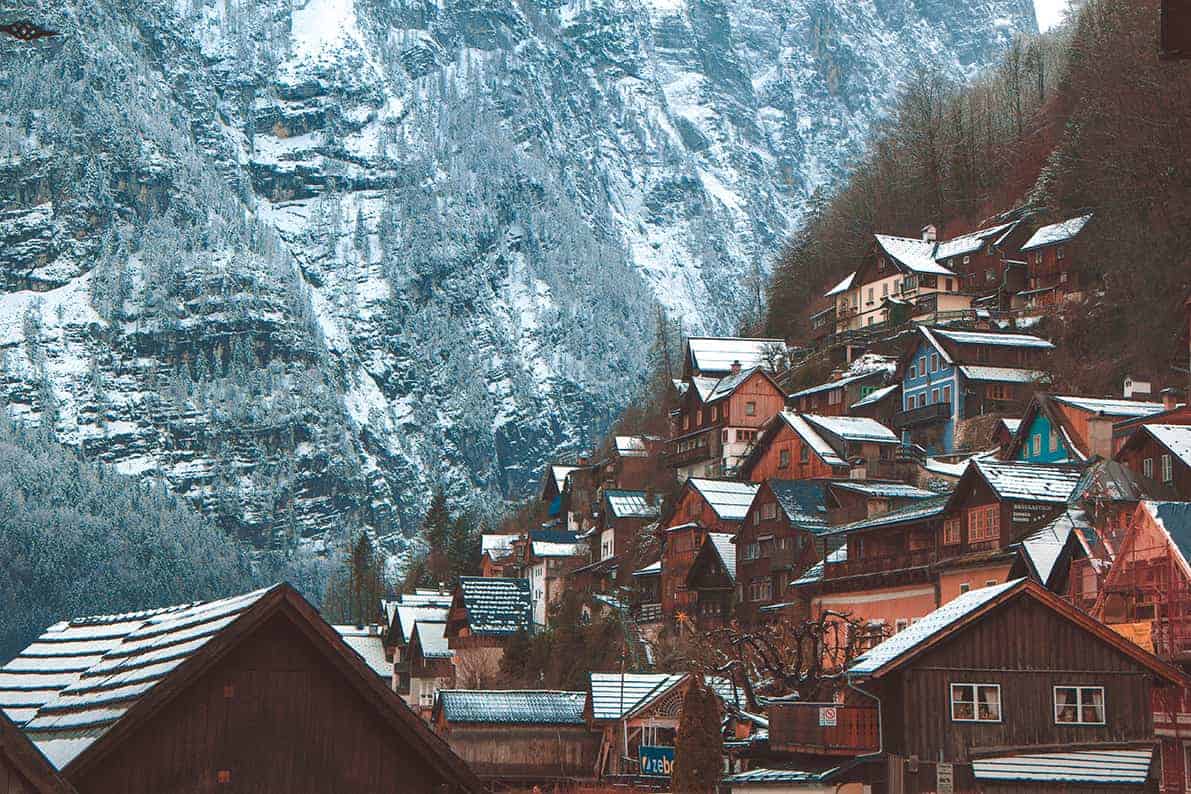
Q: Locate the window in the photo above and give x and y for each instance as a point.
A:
(835, 396)
(750, 409)
(990, 276)
(922, 365)
(948, 283)
(724, 436)
(990, 582)
(752, 551)
(880, 263)
(686, 422)
(1054, 441)
(984, 523)
(870, 294)
(885, 289)
(783, 458)
(1060, 253)
(982, 354)
(761, 589)
(1167, 469)
(769, 511)
(947, 394)
(1038, 258)
(951, 531)
(756, 517)
(1079, 705)
(968, 260)
(1037, 444)
(1062, 278)
(998, 391)
(934, 395)
(913, 373)
(715, 413)
(964, 587)
(934, 362)
(1147, 467)
(975, 702)
(804, 454)
(900, 625)
(699, 417)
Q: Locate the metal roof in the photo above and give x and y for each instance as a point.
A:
(916, 255)
(854, 428)
(891, 490)
(729, 499)
(496, 606)
(513, 707)
(432, 638)
(1001, 374)
(408, 615)
(804, 502)
(876, 396)
(1108, 407)
(717, 353)
(1044, 547)
(918, 511)
(1176, 438)
(560, 474)
(775, 776)
(1056, 233)
(811, 437)
(545, 548)
(76, 680)
(992, 338)
(653, 569)
(1031, 482)
(835, 384)
(618, 695)
(631, 446)
(369, 643)
(926, 629)
(1091, 767)
(969, 243)
(728, 384)
(1175, 520)
(726, 549)
(631, 504)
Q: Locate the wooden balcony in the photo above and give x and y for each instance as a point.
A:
(866, 565)
(935, 412)
(703, 445)
(823, 729)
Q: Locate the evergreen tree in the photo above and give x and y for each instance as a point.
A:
(436, 531)
(699, 745)
(353, 594)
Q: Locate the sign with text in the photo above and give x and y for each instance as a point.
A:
(657, 761)
(945, 779)
(828, 717)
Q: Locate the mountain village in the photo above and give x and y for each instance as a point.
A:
(938, 575)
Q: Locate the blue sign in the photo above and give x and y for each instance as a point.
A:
(657, 761)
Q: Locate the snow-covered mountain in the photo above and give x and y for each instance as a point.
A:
(305, 259)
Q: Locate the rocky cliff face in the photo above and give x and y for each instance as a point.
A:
(305, 258)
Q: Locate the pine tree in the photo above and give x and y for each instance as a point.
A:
(436, 532)
(699, 745)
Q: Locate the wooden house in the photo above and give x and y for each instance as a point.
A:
(969, 696)
(717, 420)
(856, 500)
(712, 580)
(521, 738)
(632, 464)
(431, 665)
(251, 693)
(484, 614)
(1068, 429)
(795, 446)
(623, 517)
(1004, 433)
(879, 405)
(950, 376)
(1161, 453)
(836, 396)
(1174, 413)
(717, 356)
(781, 536)
(1146, 596)
(985, 260)
(24, 770)
(497, 557)
(550, 556)
(1054, 270)
(702, 506)
(402, 615)
(368, 642)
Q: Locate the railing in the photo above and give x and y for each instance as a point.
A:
(700, 451)
(649, 613)
(1172, 638)
(920, 416)
(823, 729)
(897, 562)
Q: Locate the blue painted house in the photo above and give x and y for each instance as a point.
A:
(1068, 429)
(949, 376)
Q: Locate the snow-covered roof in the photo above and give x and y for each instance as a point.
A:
(76, 680)
(1108, 407)
(814, 573)
(704, 387)
(1010, 424)
(843, 286)
(835, 384)
(560, 473)
(497, 545)
(545, 548)
(432, 637)
(617, 695)
(890, 490)
(717, 353)
(969, 243)
(1175, 520)
(776, 777)
(1098, 767)
(989, 338)
(1001, 374)
(1030, 482)
(496, 606)
(631, 504)
(811, 437)
(425, 597)
(631, 447)
(513, 707)
(653, 569)
(1176, 438)
(367, 642)
(876, 396)
(854, 428)
(411, 614)
(915, 255)
(729, 499)
(726, 549)
(917, 511)
(729, 384)
(803, 501)
(1056, 233)
(1044, 546)
(926, 629)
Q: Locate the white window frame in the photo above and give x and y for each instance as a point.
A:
(1079, 690)
(750, 409)
(975, 690)
(1147, 468)
(1167, 468)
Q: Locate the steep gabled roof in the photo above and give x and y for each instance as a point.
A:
(921, 510)
(1029, 482)
(1044, 548)
(811, 437)
(992, 338)
(1174, 518)
(1056, 233)
(843, 286)
(913, 255)
(102, 677)
(721, 543)
(726, 386)
(969, 607)
(511, 707)
(728, 498)
(804, 503)
(836, 384)
(716, 354)
(631, 504)
(23, 769)
(497, 546)
(430, 637)
(858, 429)
(495, 606)
(876, 396)
(1175, 438)
(616, 696)
(408, 615)
(972, 242)
(368, 643)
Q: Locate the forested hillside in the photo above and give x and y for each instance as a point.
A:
(1083, 119)
(79, 538)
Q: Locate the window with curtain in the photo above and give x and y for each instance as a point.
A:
(976, 702)
(1079, 705)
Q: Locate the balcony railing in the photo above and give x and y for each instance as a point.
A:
(823, 729)
(897, 562)
(649, 613)
(703, 445)
(935, 412)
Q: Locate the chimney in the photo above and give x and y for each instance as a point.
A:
(1136, 388)
(1170, 398)
(736, 367)
(929, 233)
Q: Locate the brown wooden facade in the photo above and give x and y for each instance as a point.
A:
(707, 432)
(686, 528)
(713, 587)
(1145, 455)
(781, 453)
